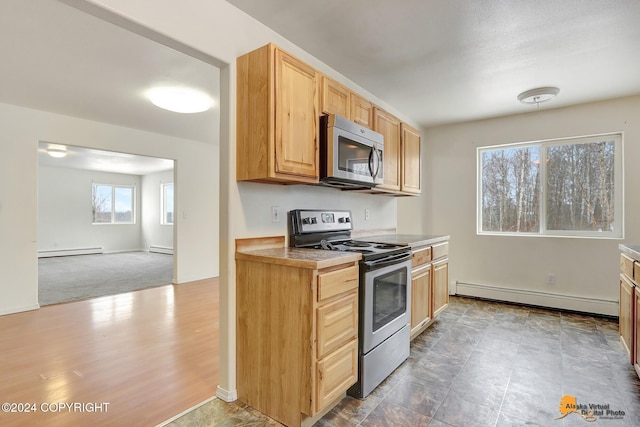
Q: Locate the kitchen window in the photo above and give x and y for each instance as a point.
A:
(113, 204)
(166, 201)
(570, 187)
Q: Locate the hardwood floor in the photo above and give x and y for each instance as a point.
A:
(148, 355)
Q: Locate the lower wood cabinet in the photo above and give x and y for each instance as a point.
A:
(636, 341)
(429, 285)
(626, 319)
(297, 336)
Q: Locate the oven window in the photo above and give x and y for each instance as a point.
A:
(389, 297)
(353, 156)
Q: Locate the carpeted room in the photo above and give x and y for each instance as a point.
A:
(91, 246)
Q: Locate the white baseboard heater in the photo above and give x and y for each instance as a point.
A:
(68, 252)
(543, 299)
(160, 250)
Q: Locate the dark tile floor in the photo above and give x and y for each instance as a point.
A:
(486, 363)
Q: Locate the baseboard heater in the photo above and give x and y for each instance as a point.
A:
(68, 252)
(543, 299)
(160, 250)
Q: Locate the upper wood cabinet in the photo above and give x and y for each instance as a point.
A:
(335, 98)
(361, 111)
(410, 160)
(338, 99)
(277, 118)
(389, 126)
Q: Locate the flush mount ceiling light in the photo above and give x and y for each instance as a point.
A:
(57, 152)
(538, 95)
(179, 99)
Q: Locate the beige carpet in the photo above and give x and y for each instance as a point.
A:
(79, 277)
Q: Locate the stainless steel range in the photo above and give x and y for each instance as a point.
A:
(385, 291)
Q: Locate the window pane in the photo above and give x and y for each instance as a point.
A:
(123, 204)
(102, 203)
(167, 203)
(580, 186)
(510, 189)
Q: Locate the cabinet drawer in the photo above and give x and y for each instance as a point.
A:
(336, 373)
(626, 265)
(440, 250)
(421, 256)
(337, 323)
(636, 271)
(337, 282)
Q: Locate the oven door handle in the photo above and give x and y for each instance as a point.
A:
(390, 260)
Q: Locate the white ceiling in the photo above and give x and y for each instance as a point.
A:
(59, 59)
(442, 61)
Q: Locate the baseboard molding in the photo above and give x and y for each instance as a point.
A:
(160, 250)
(19, 309)
(538, 298)
(68, 252)
(226, 395)
(185, 412)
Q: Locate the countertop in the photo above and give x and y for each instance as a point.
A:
(632, 250)
(413, 240)
(295, 257)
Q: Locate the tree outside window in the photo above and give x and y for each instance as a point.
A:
(575, 191)
(113, 204)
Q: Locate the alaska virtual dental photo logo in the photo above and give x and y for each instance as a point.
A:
(589, 412)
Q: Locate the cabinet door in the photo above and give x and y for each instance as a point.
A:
(335, 98)
(440, 286)
(361, 111)
(296, 117)
(389, 127)
(410, 160)
(336, 373)
(420, 297)
(636, 335)
(337, 323)
(626, 315)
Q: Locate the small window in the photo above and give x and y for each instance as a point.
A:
(113, 204)
(167, 203)
(576, 191)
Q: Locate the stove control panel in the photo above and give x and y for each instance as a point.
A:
(311, 221)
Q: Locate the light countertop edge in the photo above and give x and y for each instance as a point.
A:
(632, 250)
(303, 258)
(412, 240)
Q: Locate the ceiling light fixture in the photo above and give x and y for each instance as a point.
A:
(57, 152)
(180, 99)
(538, 95)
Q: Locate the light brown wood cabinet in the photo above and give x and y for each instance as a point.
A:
(629, 317)
(429, 285)
(636, 328)
(297, 336)
(338, 99)
(389, 126)
(410, 160)
(277, 118)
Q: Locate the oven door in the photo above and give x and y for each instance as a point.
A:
(386, 301)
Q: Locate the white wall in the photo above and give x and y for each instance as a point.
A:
(584, 268)
(65, 216)
(197, 178)
(153, 232)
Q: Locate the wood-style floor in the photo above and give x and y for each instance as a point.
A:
(149, 355)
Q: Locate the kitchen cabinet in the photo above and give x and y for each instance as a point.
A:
(389, 126)
(629, 317)
(429, 285)
(338, 99)
(297, 330)
(410, 160)
(277, 118)
(361, 111)
(636, 328)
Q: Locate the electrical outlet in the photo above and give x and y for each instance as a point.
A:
(366, 214)
(275, 213)
(551, 279)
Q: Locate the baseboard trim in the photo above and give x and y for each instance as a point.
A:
(543, 299)
(19, 309)
(69, 252)
(226, 395)
(185, 412)
(161, 249)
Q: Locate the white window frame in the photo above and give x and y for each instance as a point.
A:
(618, 223)
(113, 203)
(163, 204)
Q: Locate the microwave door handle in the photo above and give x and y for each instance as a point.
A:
(372, 164)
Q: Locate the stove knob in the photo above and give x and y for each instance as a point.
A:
(342, 220)
(305, 221)
(347, 219)
(314, 220)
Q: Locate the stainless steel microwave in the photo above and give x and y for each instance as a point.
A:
(350, 154)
